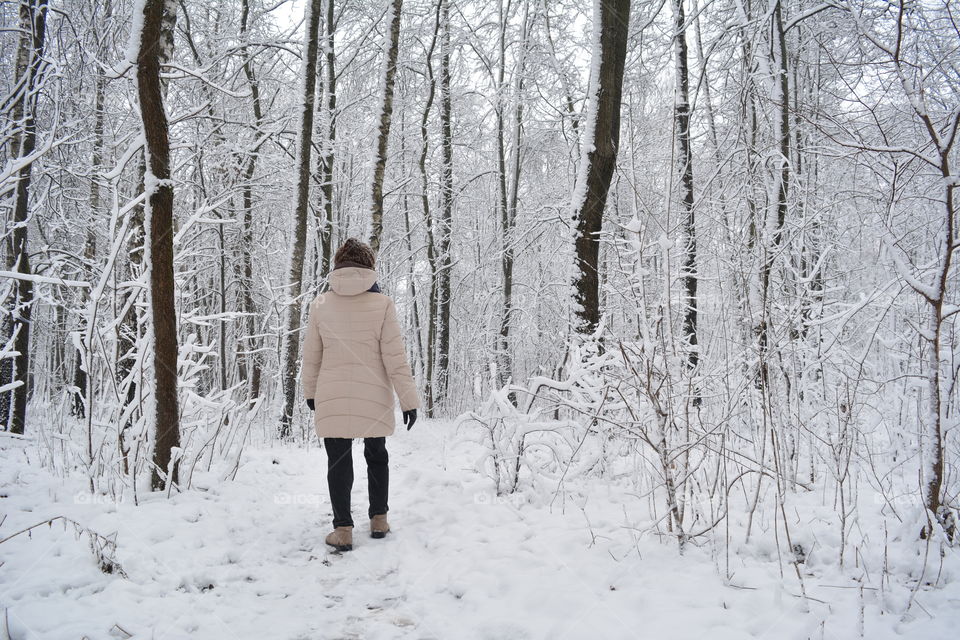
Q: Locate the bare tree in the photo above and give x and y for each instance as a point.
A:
(250, 365)
(446, 213)
(304, 150)
(159, 187)
(602, 140)
(685, 168)
(16, 325)
(329, 89)
(386, 114)
(509, 196)
(913, 74)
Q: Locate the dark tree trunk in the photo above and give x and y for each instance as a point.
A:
(250, 363)
(600, 156)
(13, 404)
(295, 291)
(380, 163)
(160, 203)
(685, 166)
(446, 214)
(506, 249)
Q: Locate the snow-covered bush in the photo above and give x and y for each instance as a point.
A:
(514, 440)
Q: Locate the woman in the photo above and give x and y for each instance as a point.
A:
(353, 360)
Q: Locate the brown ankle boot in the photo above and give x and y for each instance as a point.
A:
(341, 538)
(379, 526)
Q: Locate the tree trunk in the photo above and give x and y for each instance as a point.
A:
(685, 165)
(158, 185)
(13, 404)
(509, 198)
(326, 162)
(611, 24)
(432, 260)
(446, 214)
(386, 113)
(781, 97)
(295, 290)
(251, 361)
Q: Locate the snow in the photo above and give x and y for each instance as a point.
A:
(132, 51)
(590, 122)
(246, 559)
(16, 275)
(930, 292)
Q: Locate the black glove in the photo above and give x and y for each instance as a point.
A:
(409, 417)
(310, 404)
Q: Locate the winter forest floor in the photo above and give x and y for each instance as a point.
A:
(246, 559)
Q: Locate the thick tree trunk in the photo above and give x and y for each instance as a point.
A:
(386, 115)
(160, 216)
(611, 24)
(13, 404)
(295, 290)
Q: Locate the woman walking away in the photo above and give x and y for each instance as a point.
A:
(353, 360)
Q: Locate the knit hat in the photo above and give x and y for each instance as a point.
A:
(354, 253)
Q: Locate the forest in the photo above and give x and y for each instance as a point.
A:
(676, 281)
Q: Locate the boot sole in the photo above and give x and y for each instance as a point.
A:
(342, 547)
(378, 534)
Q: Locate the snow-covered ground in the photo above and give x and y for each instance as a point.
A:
(246, 559)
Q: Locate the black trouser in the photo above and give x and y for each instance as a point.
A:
(340, 476)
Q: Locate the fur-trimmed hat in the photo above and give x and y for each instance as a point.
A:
(354, 253)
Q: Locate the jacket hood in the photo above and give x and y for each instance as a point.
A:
(351, 281)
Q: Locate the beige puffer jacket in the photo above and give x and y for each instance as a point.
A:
(354, 359)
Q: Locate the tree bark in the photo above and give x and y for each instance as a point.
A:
(251, 361)
(446, 213)
(685, 166)
(386, 114)
(153, 46)
(326, 162)
(432, 259)
(295, 290)
(13, 404)
(600, 154)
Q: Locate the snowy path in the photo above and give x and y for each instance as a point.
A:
(246, 559)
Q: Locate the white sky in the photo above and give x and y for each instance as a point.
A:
(289, 12)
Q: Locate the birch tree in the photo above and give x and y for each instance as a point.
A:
(685, 183)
